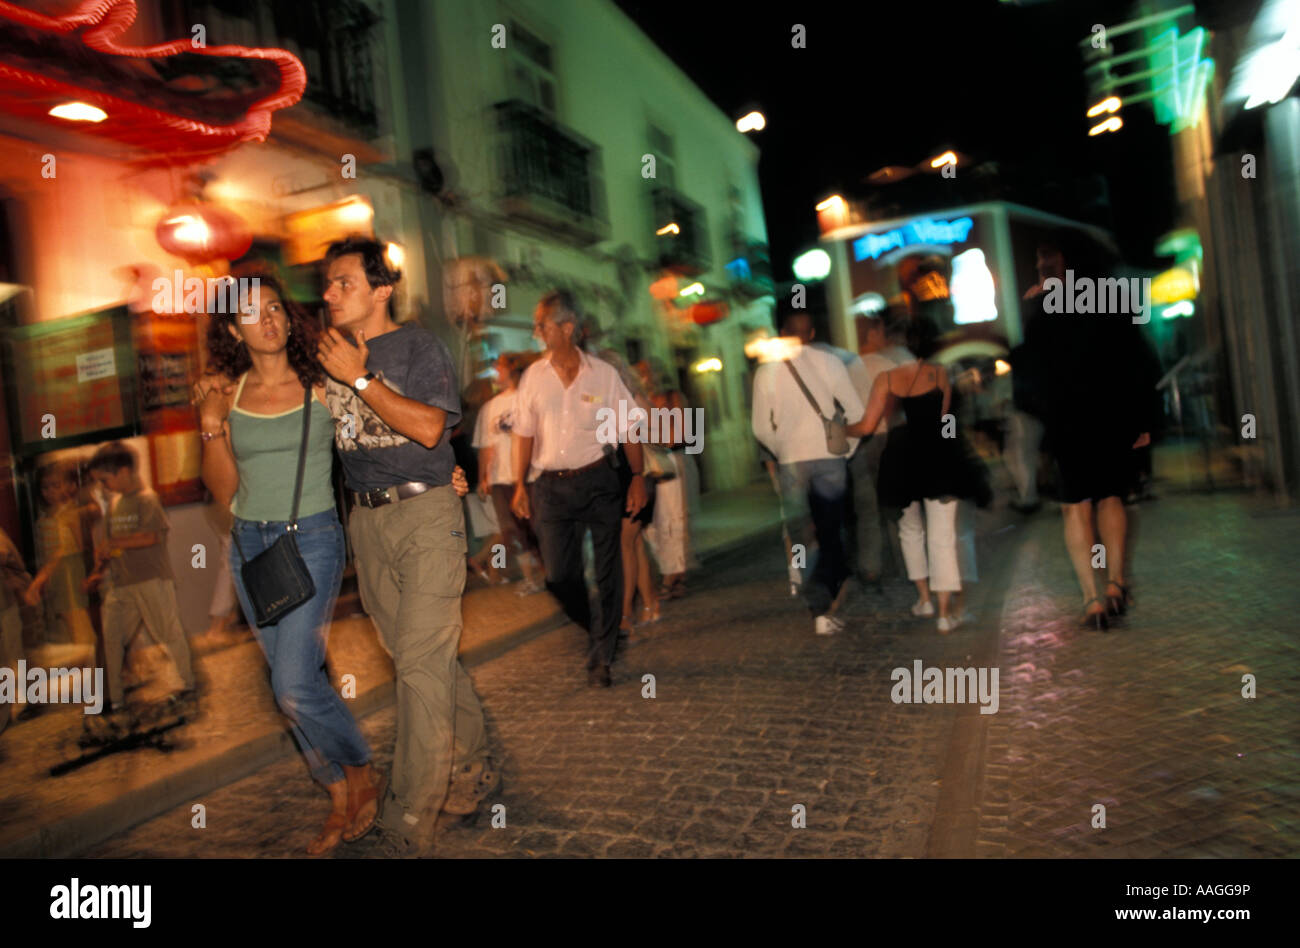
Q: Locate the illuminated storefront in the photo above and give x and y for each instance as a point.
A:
(980, 259)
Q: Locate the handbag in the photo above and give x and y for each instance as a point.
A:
(657, 463)
(277, 580)
(837, 438)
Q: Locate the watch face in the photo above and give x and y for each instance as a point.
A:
(361, 383)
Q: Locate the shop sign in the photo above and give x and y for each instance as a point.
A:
(921, 231)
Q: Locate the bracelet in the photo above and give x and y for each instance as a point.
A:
(209, 435)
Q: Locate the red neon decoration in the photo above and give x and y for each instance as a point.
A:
(172, 138)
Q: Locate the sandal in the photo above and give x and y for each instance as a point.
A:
(337, 823)
(649, 615)
(374, 792)
(1095, 620)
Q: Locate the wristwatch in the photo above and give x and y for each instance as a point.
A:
(361, 383)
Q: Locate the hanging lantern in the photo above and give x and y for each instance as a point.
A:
(664, 288)
(705, 313)
(201, 233)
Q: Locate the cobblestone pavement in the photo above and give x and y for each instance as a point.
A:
(753, 715)
(1149, 720)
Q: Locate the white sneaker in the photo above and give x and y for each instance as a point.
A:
(827, 625)
(948, 623)
(923, 609)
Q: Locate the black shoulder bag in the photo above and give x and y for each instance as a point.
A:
(277, 580)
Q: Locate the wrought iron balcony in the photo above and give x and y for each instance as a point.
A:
(549, 175)
(683, 248)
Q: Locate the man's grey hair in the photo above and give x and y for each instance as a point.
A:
(562, 307)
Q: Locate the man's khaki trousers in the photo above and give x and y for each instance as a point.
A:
(410, 559)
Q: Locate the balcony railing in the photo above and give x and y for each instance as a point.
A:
(549, 175)
(686, 248)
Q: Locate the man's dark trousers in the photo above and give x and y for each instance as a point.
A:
(563, 509)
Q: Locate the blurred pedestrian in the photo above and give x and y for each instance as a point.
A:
(1096, 377)
(872, 534)
(251, 413)
(61, 557)
(14, 582)
(394, 397)
(142, 591)
(669, 535)
(493, 431)
(558, 424)
(924, 469)
(793, 400)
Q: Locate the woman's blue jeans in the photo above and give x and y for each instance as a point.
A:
(295, 646)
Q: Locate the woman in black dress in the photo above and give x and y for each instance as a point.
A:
(924, 467)
(1097, 382)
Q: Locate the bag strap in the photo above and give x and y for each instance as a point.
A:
(789, 364)
(302, 456)
(297, 484)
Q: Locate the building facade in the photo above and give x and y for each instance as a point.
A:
(571, 152)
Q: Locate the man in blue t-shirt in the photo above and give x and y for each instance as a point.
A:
(393, 395)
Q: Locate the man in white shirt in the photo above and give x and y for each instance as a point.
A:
(814, 482)
(567, 406)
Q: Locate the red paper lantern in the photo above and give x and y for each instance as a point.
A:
(203, 232)
(705, 313)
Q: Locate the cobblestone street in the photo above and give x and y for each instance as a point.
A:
(753, 716)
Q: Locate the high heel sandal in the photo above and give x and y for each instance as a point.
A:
(625, 627)
(649, 615)
(1095, 620)
(1118, 605)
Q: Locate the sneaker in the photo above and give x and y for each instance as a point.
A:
(470, 786)
(923, 610)
(948, 624)
(827, 625)
(528, 588)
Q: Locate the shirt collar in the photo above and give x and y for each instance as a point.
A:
(584, 363)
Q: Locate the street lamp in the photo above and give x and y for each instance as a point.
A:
(815, 264)
(753, 122)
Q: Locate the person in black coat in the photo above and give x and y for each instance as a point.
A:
(1093, 380)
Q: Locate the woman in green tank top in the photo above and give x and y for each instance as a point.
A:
(250, 410)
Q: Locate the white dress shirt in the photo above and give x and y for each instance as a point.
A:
(784, 421)
(564, 422)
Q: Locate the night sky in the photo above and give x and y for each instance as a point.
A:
(892, 84)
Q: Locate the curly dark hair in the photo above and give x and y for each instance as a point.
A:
(229, 356)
